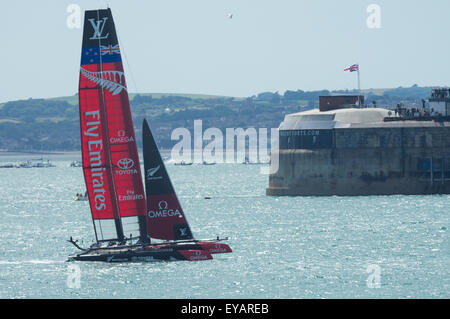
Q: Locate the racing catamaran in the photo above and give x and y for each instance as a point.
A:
(127, 222)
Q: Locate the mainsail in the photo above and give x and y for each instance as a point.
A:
(165, 217)
(110, 158)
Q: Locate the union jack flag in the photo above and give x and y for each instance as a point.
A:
(353, 68)
(109, 49)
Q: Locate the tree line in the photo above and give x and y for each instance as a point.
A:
(53, 124)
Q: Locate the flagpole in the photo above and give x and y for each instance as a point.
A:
(359, 89)
(353, 68)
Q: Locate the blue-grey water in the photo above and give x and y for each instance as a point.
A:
(283, 247)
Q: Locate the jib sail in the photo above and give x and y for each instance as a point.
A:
(110, 158)
(165, 217)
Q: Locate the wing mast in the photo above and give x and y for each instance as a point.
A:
(110, 158)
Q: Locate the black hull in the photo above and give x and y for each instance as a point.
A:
(132, 256)
(181, 251)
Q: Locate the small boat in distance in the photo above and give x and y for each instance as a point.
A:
(7, 165)
(183, 163)
(206, 163)
(81, 197)
(129, 224)
(248, 162)
(41, 163)
(26, 164)
(35, 163)
(76, 164)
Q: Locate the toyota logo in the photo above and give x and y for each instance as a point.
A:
(125, 163)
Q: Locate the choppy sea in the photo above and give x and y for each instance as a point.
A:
(283, 247)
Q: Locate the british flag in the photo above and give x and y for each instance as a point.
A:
(109, 49)
(353, 68)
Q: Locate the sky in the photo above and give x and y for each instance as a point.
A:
(193, 46)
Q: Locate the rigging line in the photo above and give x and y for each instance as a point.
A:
(122, 50)
(107, 140)
(135, 183)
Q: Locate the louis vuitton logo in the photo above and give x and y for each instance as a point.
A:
(98, 27)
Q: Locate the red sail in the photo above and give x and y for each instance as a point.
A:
(108, 132)
(96, 162)
(124, 154)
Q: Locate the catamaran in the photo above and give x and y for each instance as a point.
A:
(129, 225)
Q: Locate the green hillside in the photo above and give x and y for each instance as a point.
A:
(53, 124)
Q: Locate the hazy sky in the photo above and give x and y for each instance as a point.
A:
(192, 46)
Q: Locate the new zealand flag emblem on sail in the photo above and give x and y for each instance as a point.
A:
(104, 53)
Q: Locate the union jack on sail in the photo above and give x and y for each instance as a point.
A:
(352, 68)
(109, 49)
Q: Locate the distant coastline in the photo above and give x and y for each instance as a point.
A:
(51, 126)
(25, 153)
(56, 153)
